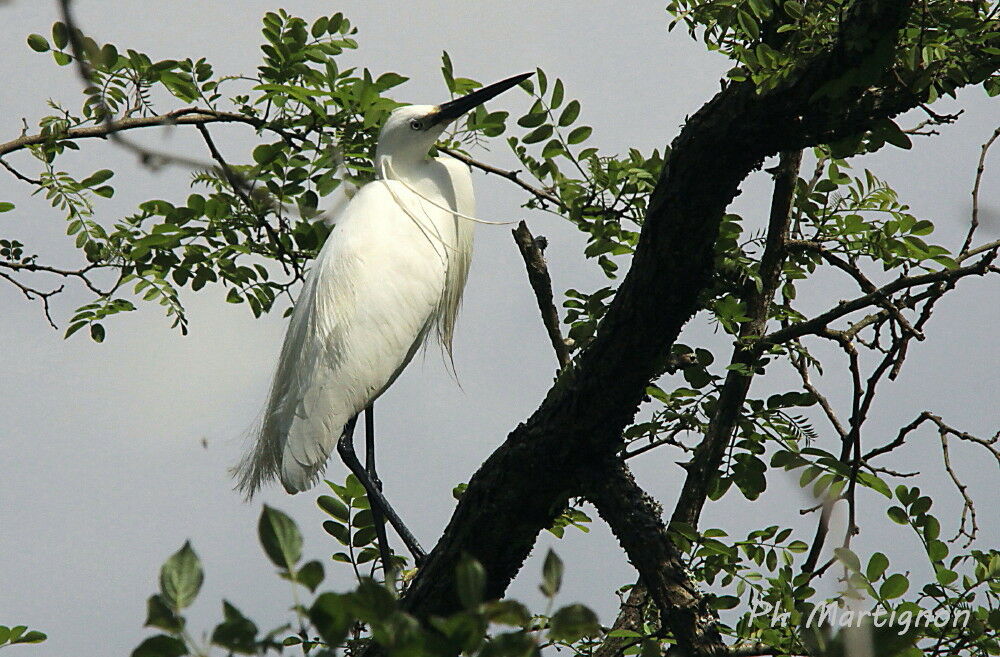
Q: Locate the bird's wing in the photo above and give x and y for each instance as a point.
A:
(369, 300)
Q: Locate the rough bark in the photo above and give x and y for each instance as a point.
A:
(552, 456)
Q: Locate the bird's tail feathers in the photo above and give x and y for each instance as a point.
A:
(258, 466)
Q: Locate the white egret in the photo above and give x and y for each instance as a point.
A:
(391, 272)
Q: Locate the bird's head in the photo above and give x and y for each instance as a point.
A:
(411, 130)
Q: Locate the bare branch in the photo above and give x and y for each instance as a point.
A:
(980, 169)
(814, 325)
(968, 526)
(803, 369)
(183, 116)
(31, 294)
(859, 277)
(540, 194)
(17, 174)
(541, 284)
(65, 273)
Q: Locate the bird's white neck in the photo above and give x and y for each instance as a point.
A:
(401, 163)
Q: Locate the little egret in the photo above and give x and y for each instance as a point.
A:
(391, 271)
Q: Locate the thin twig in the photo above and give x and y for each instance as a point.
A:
(817, 323)
(239, 186)
(17, 174)
(859, 277)
(65, 273)
(183, 116)
(31, 294)
(540, 194)
(980, 168)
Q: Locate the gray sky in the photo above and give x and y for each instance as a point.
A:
(104, 472)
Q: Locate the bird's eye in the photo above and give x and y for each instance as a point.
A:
(416, 125)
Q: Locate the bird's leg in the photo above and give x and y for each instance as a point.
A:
(345, 447)
(377, 518)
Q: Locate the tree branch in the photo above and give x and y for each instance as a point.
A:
(183, 116)
(636, 520)
(20, 176)
(540, 194)
(703, 468)
(31, 294)
(541, 283)
(240, 187)
(819, 322)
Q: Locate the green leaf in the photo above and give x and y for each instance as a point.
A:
(898, 515)
(338, 531)
(237, 633)
(945, 576)
(334, 507)
(875, 483)
(892, 133)
(470, 580)
(280, 538)
(579, 134)
(310, 575)
(876, 566)
(60, 35)
(541, 133)
(160, 615)
(38, 43)
(97, 332)
(34, 636)
(937, 550)
(542, 81)
(893, 587)
(532, 120)
(331, 617)
(387, 81)
(319, 27)
(552, 572)
(558, 93)
(572, 623)
(725, 602)
(160, 645)
(569, 114)
(266, 153)
(181, 577)
(508, 612)
(97, 178)
(5, 206)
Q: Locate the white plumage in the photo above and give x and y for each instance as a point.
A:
(391, 271)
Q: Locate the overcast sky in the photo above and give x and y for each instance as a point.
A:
(104, 472)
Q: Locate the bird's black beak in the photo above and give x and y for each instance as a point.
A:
(456, 108)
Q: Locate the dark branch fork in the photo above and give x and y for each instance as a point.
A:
(634, 517)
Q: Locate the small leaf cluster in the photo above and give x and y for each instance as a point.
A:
(16, 634)
(351, 523)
